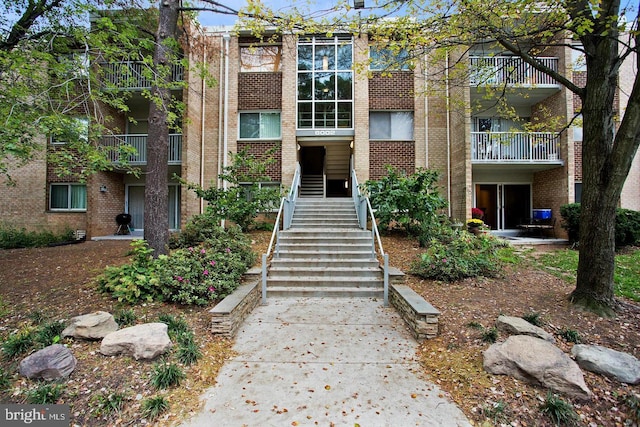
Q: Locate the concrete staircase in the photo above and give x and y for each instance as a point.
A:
(325, 253)
(312, 186)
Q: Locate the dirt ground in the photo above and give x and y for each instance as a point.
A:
(57, 282)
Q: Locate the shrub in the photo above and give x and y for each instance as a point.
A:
(627, 225)
(411, 202)
(176, 326)
(193, 275)
(133, 282)
(199, 275)
(560, 412)
(245, 198)
(188, 351)
(458, 256)
(198, 229)
(167, 375)
(154, 406)
(11, 238)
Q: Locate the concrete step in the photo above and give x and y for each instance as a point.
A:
(329, 282)
(323, 232)
(311, 291)
(328, 255)
(324, 272)
(337, 246)
(314, 223)
(325, 263)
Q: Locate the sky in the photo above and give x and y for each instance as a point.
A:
(212, 19)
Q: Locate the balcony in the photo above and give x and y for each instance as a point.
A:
(510, 70)
(515, 148)
(133, 75)
(139, 142)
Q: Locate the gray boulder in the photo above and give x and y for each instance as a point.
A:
(538, 362)
(92, 326)
(55, 361)
(518, 326)
(146, 341)
(614, 364)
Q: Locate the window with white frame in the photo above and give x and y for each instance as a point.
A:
(391, 125)
(325, 82)
(577, 128)
(386, 58)
(261, 58)
(260, 125)
(71, 129)
(68, 197)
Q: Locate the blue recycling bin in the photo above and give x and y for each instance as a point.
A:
(541, 214)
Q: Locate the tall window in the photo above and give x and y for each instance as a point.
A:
(325, 82)
(68, 197)
(260, 58)
(391, 125)
(260, 125)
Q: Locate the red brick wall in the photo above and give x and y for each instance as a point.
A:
(259, 91)
(258, 148)
(399, 154)
(391, 92)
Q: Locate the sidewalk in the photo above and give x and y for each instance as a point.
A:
(324, 361)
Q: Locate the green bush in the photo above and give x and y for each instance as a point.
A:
(198, 229)
(411, 202)
(627, 224)
(11, 238)
(457, 255)
(45, 394)
(167, 375)
(198, 275)
(133, 282)
(153, 407)
(193, 275)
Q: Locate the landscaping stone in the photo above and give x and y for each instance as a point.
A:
(614, 364)
(55, 361)
(536, 361)
(518, 326)
(92, 326)
(146, 341)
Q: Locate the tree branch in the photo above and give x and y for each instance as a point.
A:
(27, 20)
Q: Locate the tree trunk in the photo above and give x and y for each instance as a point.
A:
(156, 196)
(605, 164)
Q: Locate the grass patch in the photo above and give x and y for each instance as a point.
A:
(125, 317)
(17, 344)
(49, 333)
(534, 319)
(107, 403)
(564, 264)
(560, 412)
(490, 335)
(570, 335)
(167, 375)
(45, 394)
(153, 407)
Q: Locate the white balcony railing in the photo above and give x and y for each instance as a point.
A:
(514, 147)
(139, 142)
(132, 74)
(510, 70)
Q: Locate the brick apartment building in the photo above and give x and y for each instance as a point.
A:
(303, 96)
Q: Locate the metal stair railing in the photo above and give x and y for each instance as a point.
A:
(365, 212)
(286, 210)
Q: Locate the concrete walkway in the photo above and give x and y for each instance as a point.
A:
(325, 361)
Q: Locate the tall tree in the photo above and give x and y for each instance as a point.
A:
(156, 196)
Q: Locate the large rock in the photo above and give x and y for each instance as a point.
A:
(536, 361)
(92, 326)
(614, 364)
(518, 326)
(55, 361)
(146, 341)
